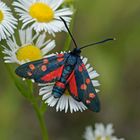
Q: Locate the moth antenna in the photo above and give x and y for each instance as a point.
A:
(100, 42)
(69, 32)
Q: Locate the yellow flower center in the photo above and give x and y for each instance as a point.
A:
(41, 12)
(1, 16)
(29, 52)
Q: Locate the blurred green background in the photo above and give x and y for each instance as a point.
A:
(118, 63)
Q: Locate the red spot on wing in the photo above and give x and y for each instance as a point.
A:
(60, 59)
(29, 73)
(45, 61)
(83, 66)
(87, 81)
(60, 55)
(31, 66)
(83, 86)
(43, 67)
(88, 101)
(91, 95)
(72, 85)
(53, 75)
(80, 69)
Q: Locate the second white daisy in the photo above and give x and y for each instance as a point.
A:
(29, 48)
(43, 15)
(101, 132)
(64, 103)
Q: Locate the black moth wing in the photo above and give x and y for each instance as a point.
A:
(51, 67)
(81, 88)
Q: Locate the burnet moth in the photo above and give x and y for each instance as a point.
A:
(68, 71)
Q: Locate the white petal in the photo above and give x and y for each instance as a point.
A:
(48, 47)
(93, 74)
(95, 83)
(85, 60)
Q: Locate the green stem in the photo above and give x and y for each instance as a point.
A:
(28, 94)
(41, 120)
(38, 110)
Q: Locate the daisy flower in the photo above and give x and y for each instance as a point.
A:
(31, 47)
(43, 15)
(7, 21)
(100, 133)
(66, 102)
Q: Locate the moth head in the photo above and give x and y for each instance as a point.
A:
(76, 51)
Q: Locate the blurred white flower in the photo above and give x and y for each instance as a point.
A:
(100, 133)
(101, 130)
(43, 15)
(66, 102)
(7, 21)
(31, 47)
(89, 134)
